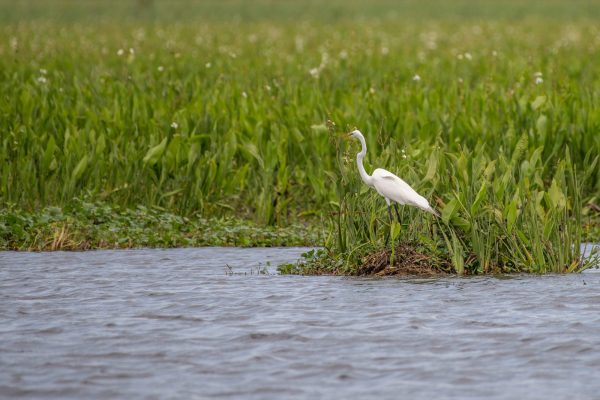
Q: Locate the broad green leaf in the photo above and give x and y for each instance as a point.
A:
(541, 125)
(481, 195)
(49, 153)
(538, 102)
(556, 196)
(154, 154)
(320, 128)
(251, 149)
(79, 169)
(432, 165)
(395, 230)
(449, 210)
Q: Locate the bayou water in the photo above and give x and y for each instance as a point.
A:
(219, 323)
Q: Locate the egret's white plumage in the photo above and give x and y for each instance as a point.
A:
(390, 186)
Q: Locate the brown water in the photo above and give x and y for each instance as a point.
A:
(181, 324)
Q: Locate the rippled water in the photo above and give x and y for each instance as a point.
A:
(201, 323)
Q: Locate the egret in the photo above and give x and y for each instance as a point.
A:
(388, 185)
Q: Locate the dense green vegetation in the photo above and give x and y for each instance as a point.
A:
(222, 109)
(82, 225)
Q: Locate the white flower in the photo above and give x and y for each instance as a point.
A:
(468, 56)
(343, 54)
(120, 52)
(131, 51)
(207, 65)
(42, 79)
(245, 95)
(160, 68)
(416, 78)
(268, 88)
(372, 90)
(43, 71)
(314, 72)
(174, 125)
(539, 80)
(538, 74)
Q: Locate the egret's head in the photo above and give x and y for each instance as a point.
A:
(355, 134)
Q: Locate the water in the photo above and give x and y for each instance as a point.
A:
(162, 324)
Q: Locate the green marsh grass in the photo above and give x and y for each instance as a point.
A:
(202, 113)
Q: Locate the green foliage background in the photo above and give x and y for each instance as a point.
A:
(221, 108)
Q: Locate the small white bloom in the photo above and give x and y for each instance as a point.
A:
(538, 74)
(314, 72)
(343, 54)
(245, 95)
(43, 71)
(468, 56)
(372, 90)
(416, 78)
(207, 65)
(494, 53)
(268, 88)
(131, 51)
(42, 79)
(120, 52)
(174, 125)
(160, 68)
(539, 80)
(403, 155)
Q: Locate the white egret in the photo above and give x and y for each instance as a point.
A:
(391, 187)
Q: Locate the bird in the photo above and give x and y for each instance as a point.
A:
(388, 185)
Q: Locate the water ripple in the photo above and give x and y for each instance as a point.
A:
(206, 323)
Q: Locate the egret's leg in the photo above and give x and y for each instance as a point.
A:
(389, 209)
(397, 213)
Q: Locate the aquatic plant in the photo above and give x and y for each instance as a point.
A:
(82, 225)
(494, 119)
(497, 215)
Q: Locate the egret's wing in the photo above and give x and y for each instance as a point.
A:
(394, 188)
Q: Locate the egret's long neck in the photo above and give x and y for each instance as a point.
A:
(359, 161)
